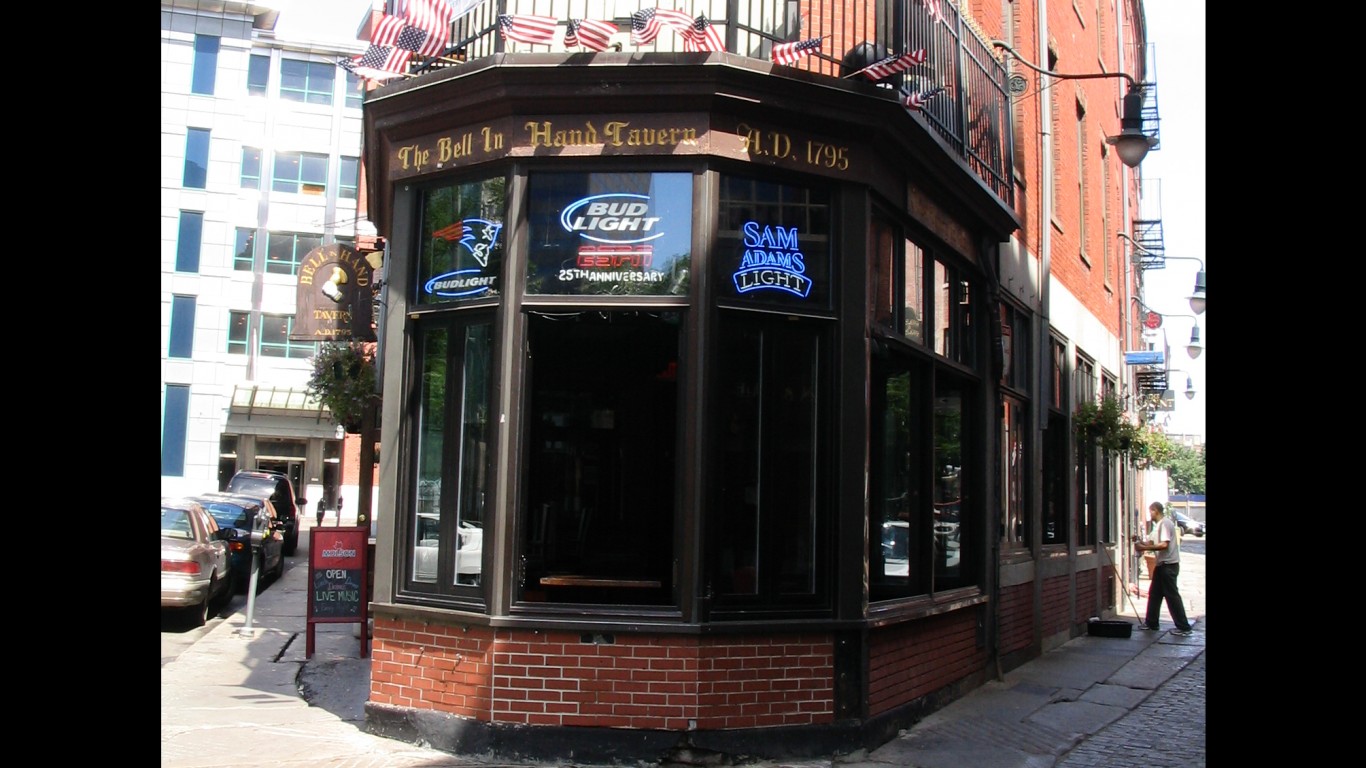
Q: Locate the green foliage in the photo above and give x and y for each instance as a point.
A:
(1186, 468)
(343, 379)
(1102, 424)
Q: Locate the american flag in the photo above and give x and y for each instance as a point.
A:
(434, 18)
(379, 62)
(936, 13)
(916, 99)
(591, 34)
(528, 29)
(786, 53)
(881, 70)
(644, 27)
(702, 36)
(678, 20)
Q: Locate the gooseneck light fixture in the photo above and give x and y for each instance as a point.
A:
(1132, 144)
(1197, 297)
(1190, 385)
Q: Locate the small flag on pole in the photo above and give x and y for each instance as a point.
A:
(787, 53)
(432, 17)
(644, 27)
(702, 36)
(916, 99)
(379, 62)
(589, 33)
(881, 70)
(528, 29)
(936, 13)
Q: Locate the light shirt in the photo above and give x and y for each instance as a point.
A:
(1165, 530)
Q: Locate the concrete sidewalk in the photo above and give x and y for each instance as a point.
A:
(246, 698)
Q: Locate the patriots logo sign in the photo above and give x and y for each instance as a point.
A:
(476, 237)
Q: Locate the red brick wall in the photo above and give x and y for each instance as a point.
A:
(1086, 594)
(908, 661)
(1057, 608)
(637, 681)
(1016, 616)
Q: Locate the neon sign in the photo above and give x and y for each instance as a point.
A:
(476, 237)
(772, 261)
(611, 218)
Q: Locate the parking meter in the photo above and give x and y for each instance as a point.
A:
(260, 529)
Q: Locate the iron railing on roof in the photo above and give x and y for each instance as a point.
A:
(972, 114)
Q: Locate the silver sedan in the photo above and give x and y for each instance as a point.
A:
(195, 569)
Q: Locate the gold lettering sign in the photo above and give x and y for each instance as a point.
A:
(563, 135)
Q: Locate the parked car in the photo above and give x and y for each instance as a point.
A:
(1189, 525)
(196, 569)
(277, 487)
(237, 513)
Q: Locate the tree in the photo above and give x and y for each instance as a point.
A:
(1186, 470)
(343, 379)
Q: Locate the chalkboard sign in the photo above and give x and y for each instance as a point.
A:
(337, 578)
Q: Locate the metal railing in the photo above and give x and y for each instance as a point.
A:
(972, 114)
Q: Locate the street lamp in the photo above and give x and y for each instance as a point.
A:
(1197, 297)
(1195, 346)
(1132, 144)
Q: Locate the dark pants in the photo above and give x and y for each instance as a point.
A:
(1163, 587)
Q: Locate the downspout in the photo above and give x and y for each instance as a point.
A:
(1044, 372)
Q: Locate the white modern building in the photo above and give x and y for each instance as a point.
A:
(260, 157)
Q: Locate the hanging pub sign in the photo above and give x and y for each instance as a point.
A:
(335, 297)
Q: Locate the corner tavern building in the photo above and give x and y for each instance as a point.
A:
(725, 403)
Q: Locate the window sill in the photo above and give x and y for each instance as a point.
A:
(924, 606)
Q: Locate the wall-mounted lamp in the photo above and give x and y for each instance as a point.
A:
(1195, 346)
(1190, 385)
(1197, 297)
(1132, 144)
(341, 432)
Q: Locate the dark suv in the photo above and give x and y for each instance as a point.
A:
(276, 487)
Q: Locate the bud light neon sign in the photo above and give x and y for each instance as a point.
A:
(617, 219)
(772, 261)
(476, 237)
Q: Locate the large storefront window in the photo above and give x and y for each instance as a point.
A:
(460, 241)
(899, 529)
(454, 431)
(769, 526)
(601, 457)
(952, 480)
(609, 234)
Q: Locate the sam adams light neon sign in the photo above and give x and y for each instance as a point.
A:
(772, 261)
(476, 237)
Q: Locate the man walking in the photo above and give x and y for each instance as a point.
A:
(1164, 542)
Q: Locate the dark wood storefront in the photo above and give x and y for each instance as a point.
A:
(690, 375)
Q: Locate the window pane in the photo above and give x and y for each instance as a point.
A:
(913, 294)
(600, 495)
(1014, 519)
(188, 241)
(238, 325)
(305, 81)
(205, 64)
(431, 431)
(355, 91)
(349, 178)
(196, 158)
(948, 484)
(771, 482)
(286, 175)
(475, 435)
(314, 170)
(286, 250)
(610, 233)
(462, 253)
(896, 565)
(182, 326)
(174, 421)
(258, 74)
(244, 252)
(251, 168)
(883, 260)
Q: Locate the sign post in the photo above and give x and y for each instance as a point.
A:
(337, 579)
